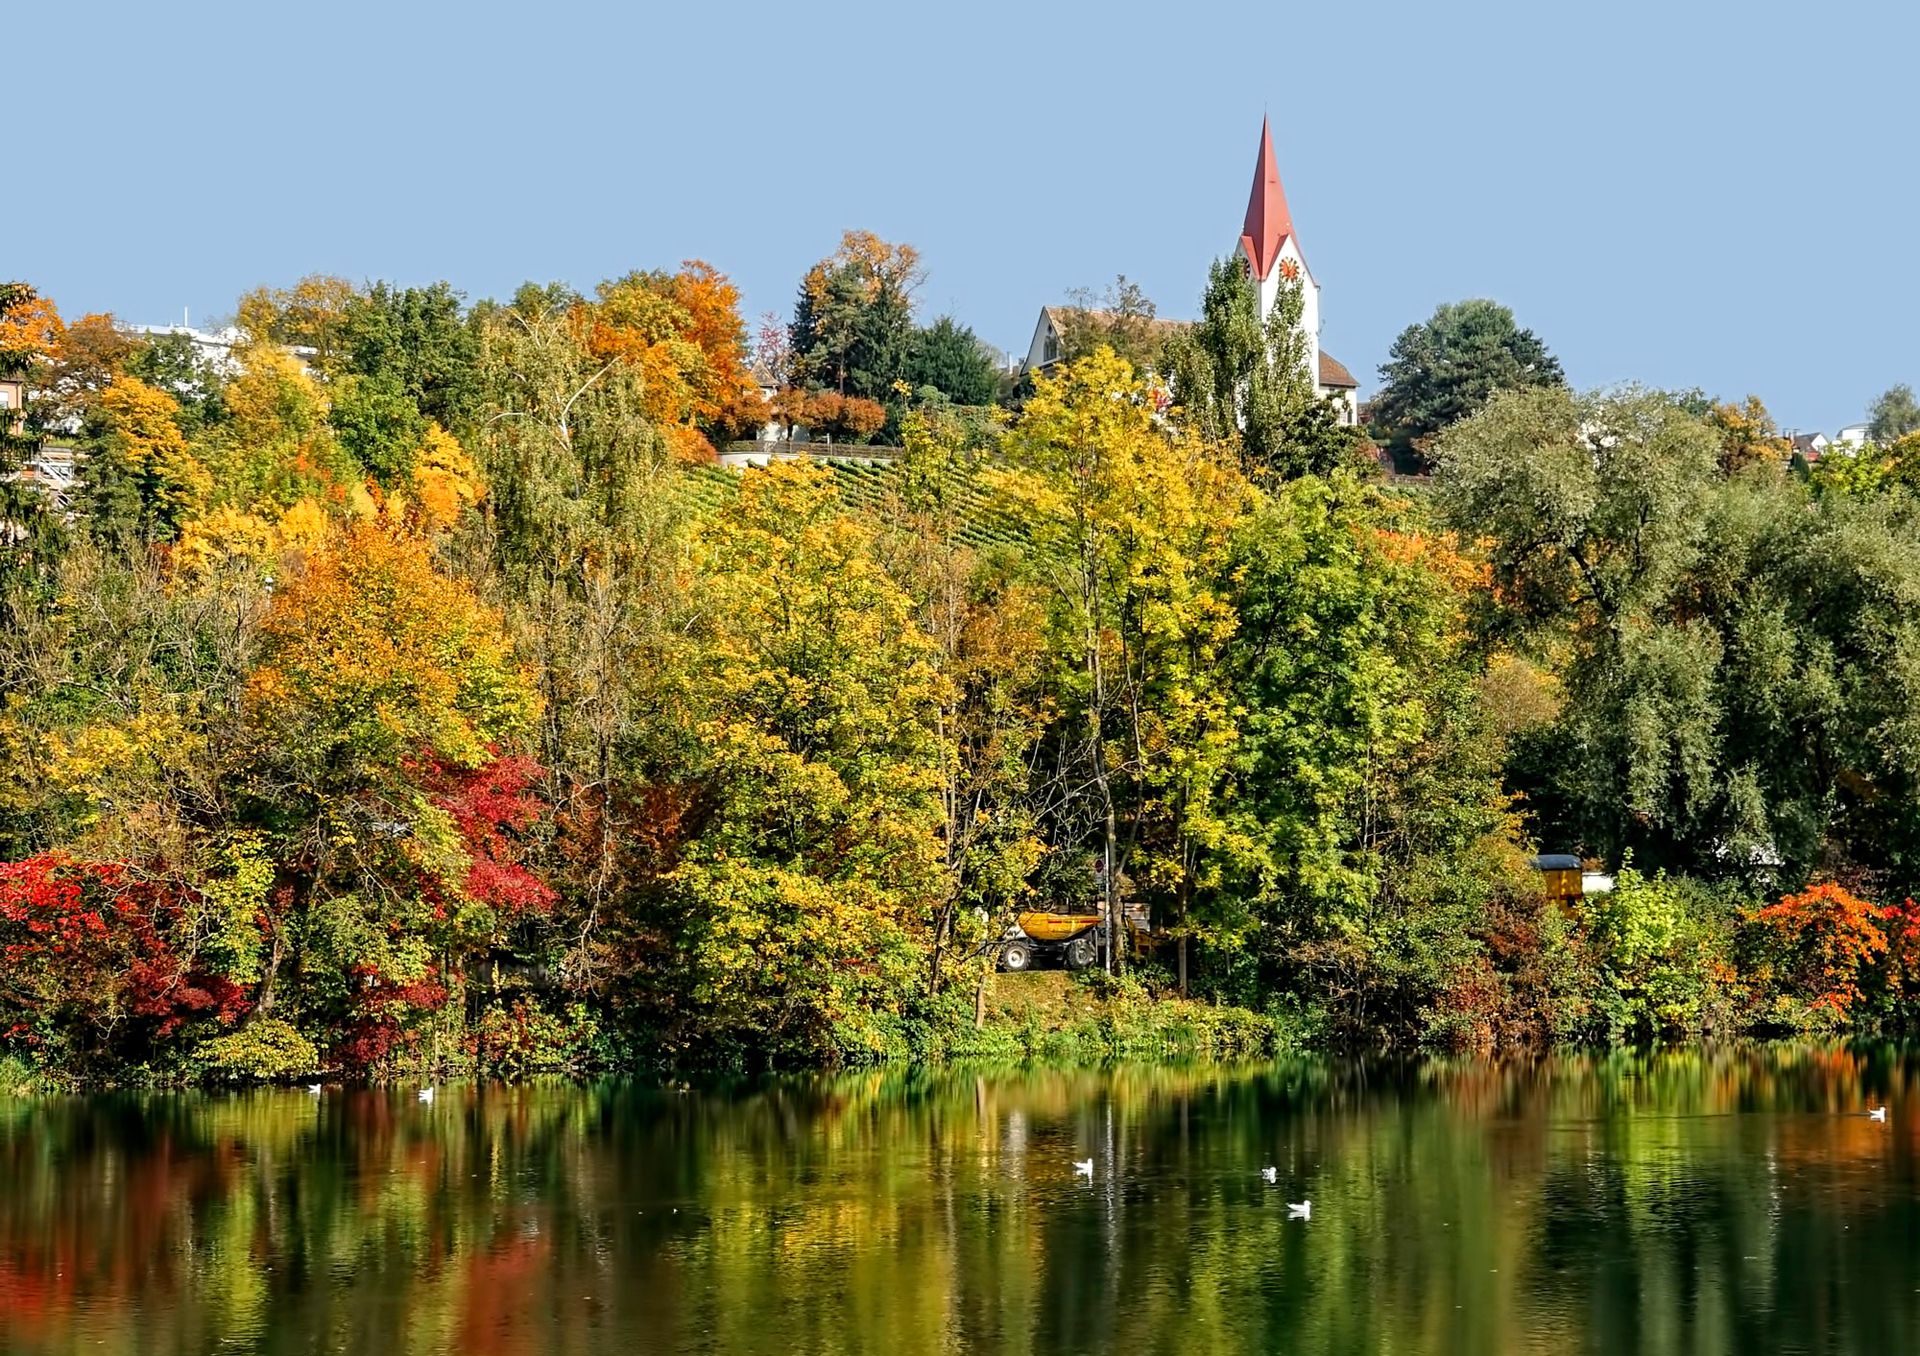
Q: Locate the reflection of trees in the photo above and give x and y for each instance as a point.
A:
(1697, 1200)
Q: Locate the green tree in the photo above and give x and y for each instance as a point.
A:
(1363, 796)
(987, 625)
(1893, 414)
(949, 357)
(1121, 318)
(1442, 370)
(585, 530)
(410, 358)
(1236, 377)
(171, 363)
(1739, 701)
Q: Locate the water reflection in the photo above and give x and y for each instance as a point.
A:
(1684, 1201)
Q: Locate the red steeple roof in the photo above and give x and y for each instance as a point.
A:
(1268, 221)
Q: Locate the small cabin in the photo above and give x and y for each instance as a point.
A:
(1559, 875)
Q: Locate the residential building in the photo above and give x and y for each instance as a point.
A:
(1811, 446)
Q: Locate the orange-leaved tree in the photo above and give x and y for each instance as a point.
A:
(30, 333)
(30, 329)
(684, 333)
(383, 722)
(1820, 942)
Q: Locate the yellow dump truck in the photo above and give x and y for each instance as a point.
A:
(1076, 940)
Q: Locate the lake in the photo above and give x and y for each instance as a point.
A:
(1719, 1200)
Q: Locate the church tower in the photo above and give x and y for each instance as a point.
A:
(1272, 251)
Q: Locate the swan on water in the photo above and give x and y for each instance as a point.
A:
(1878, 1113)
(1083, 1168)
(1269, 1175)
(314, 1088)
(1300, 1210)
(426, 1095)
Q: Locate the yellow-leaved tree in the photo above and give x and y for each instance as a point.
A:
(445, 479)
(144, 432)
(1134, 523)
(801, 902)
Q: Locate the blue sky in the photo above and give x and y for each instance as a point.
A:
(1682, 193)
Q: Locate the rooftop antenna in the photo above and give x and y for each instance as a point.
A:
(185, 324)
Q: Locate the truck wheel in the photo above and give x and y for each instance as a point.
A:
(1082, 953)
(1016, 956)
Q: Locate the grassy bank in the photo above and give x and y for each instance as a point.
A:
(1086, 1018)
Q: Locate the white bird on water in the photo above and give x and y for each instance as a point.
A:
(1300, 1210)
(1083, 1168)
(426, 1095)
(1269, 1175)
(314, 1088)
(1878, 1113)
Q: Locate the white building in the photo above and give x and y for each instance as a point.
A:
(1271, 248)
(214, 348)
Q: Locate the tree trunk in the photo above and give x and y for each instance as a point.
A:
(1110, 888)
(1186, 899)
(264, 1003)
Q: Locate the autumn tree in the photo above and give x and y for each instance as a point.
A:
(93, 350)
(276, 444)
(144, 437)
(1748, 436)
(682, 333)
(799, 905)
(849, 418)
(1130, 526)
(310, 315)
(99, 964)
(384, 716)
(30, 340)
(1818, 947)
(853, 322)
(123, 718)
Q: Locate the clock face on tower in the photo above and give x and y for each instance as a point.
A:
(1289, 270)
